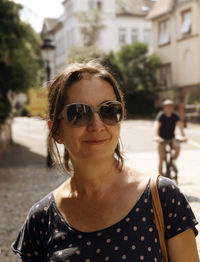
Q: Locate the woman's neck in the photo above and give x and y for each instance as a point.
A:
(94, 178)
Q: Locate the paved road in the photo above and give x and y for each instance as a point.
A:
(24, 178)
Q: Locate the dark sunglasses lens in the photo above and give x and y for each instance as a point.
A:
(78, 114)
(111, 113)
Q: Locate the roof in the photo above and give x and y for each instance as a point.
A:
(161, 7)
(123, 8)
(51, 23)
(133, 7)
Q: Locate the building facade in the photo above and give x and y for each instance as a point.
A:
(124, 23)
(176, 39)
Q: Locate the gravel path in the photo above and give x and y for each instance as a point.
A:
(23, 181)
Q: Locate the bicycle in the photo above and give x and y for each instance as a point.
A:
(170, 168)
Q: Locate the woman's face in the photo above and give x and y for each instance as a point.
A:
(96, 140)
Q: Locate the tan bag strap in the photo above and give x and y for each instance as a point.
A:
(158, 215)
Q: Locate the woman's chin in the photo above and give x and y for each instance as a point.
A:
(96, 156)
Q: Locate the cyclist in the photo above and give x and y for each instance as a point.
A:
(166, 122)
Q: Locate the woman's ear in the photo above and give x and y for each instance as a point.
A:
(49, 123)
(57, 136)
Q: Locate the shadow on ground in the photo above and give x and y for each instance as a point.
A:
(24, 179)
(21, 156)
(192, 198)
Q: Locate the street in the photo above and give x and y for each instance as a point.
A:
(24, 178)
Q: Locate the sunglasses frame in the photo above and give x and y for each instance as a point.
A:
(63, 114)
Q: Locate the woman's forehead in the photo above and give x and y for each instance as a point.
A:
(90, 90)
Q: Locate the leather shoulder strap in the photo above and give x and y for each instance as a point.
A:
(158, 215)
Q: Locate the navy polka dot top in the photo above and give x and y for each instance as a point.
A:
(46, 236)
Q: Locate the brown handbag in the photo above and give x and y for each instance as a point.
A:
(158, 215)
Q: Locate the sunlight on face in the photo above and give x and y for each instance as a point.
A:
(97, 139)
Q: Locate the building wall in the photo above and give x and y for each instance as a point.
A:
(129, 24)
(166, 52)
(69, 34)
(60, 51)
(187, 62)
(182, 54)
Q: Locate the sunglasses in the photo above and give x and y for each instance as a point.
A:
(77, 114)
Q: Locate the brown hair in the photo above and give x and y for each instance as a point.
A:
(57, 98)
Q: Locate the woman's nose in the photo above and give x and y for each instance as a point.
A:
(96, 124)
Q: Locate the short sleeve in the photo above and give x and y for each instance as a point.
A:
(159, 116)
(28, 245)
(178, 215)
(177, 117)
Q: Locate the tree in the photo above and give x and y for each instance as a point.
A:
(79, 53)
(20, 60)
(136, 72)
(90, 28)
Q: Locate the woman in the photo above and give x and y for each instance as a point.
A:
(104, 211)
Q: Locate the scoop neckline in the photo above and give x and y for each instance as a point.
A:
(72, 229)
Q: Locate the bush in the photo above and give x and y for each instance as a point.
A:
(136, 73)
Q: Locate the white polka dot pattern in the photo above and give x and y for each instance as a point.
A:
(134, 238)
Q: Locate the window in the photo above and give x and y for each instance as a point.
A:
(134, 35)
(147, 36)
(95, 4)
(122, 36)
(164, 32)
(165, 76)
(186, 22)
(125, 8)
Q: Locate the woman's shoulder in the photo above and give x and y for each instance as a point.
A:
(138, 182)
(166, 182)
(178, 215)
(172, 198)
(137, 178)
(42, 206)
(169, 190)
(168, 186)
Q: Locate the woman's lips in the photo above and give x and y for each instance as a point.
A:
(95, 142)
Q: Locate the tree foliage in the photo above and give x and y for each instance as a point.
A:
(20, 62)
(79, 53)
(136, 72)
(90, 29)
(90, 26)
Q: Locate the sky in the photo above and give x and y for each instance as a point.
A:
(35, 11)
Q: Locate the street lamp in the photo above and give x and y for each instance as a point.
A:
(47, 55)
